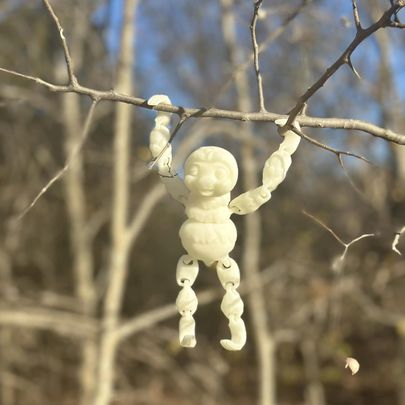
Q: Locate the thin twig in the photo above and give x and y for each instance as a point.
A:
(356, 16)
(262, 47)
(346, 246)
(253, 24)
(324, 226)
(37, 80)
(350, 180)
(68, 59)
(69, 160)
(396, 240)
(337, 152)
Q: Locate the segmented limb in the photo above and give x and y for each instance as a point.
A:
(232, 304)
(274, 172)
(277, 165)
(186, 302)
(161, 150)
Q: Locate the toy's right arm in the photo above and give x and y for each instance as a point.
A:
(161, 150)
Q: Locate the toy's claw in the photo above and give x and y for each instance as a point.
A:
(238, 332)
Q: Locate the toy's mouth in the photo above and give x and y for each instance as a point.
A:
(207, 193)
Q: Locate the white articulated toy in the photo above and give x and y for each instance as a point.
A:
(208, 234)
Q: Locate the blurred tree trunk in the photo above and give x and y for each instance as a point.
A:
(315, 394)
(265, 344)
(120, 242)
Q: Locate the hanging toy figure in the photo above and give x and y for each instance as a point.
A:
(208, 234)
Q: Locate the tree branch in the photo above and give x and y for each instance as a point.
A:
(253, 24)
(69, 160)
(344, 58)
(337, 265)
(337, 152)
(204, 112)
(68, 59)
(62, 322)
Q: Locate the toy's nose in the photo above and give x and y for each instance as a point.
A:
(206, 182)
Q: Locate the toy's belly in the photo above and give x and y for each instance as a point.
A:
(208, 242)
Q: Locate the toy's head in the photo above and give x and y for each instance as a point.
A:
(210, 171)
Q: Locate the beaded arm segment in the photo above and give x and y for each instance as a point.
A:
(161, 150)
(274, 172)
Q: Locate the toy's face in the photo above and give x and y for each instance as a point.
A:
(211, 172)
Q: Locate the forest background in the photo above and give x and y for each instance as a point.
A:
(87, 269)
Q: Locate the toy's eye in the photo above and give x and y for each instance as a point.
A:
(193, 171)
(221, 174)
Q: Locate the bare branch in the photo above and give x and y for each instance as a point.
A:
(317, 220)
(350, 180)
(62, 322)
(339, 261)
(253, 24)
(37, 80)
(68, 59)
(360, 36)
(204, 112)
(337, 152)
(69, 160)
(396, 240)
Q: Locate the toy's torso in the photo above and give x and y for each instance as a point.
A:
(208, 234)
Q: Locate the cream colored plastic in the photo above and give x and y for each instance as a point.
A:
(208, 234)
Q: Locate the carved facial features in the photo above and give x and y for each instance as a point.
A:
(211, 171)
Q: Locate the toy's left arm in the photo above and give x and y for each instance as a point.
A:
(274, 172)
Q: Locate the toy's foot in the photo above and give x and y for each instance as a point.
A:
(229, 345)
(238, 333)
(188, 341)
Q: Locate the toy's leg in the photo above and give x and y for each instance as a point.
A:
(232, 304)
(186, 302)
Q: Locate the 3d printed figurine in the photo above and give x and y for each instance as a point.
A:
(208, 234)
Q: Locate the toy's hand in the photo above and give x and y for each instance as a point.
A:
(250, 201)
